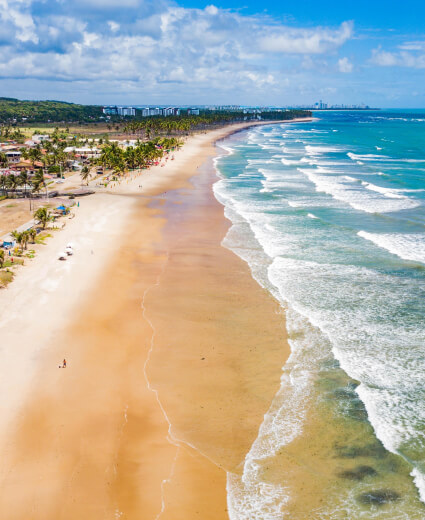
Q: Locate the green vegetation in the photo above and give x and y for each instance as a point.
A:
(22, 238)
(41, 238)
(14, 110)
(140, 156)
(85, 174)
(6, 277)
(42, 216)
(183, 124)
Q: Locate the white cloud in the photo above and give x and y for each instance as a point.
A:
(102, 4)
(306, 41)
(114, 26)
(412, 46)
(148, 44)
(16, 14)
(345, 65)
(398, 59)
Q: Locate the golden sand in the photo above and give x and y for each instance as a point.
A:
(173, 358)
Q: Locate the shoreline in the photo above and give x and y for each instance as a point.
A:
(115, 329)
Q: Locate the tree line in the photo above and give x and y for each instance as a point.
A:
(142, 155)
(183, 124)
(28, 184)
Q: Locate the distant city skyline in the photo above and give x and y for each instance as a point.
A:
(193, 53)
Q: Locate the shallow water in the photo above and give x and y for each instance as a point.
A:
(330, 216)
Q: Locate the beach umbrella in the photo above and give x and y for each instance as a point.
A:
(62, 256)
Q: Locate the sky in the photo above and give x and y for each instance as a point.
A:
(193, 52)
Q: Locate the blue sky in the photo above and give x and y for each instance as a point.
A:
(197, 52)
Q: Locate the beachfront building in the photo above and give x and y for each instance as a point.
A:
(26, 165)
(13, 156)
(193, 111)
(110, 111)
(84, 152)
(126, 111)
(155, 112)
(40, 138)
(165, 112)
(171, 111)
(119, 111)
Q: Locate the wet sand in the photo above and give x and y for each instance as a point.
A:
(174, 356)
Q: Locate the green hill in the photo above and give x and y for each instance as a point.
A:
(14, 110)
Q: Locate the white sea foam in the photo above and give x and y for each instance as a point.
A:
(356, 312)
(250, 496)
(229, 149)
(291, 151)
(419, 479)
(317, 150)
(342, 188)
(365, 339)
(288, 162)
(367, 157)
(370, 157)
(408, 247)
(387, 192)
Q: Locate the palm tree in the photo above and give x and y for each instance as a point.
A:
(1, 258)
(3, 160)
(42, 215)
(12, 181)
(130, 157)
(24, 181)
(35, 187)
(34, 155)
(39, 180)
(85, 174)
(19, 237)
(32, 233)
(25, 238)
(3, 183)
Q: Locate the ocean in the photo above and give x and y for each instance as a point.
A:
(330, 217)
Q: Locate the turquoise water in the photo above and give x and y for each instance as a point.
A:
(330, 216)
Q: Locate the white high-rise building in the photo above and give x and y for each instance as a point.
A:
(126, 111)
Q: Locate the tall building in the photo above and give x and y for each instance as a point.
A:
(126, 111)
(110, 111)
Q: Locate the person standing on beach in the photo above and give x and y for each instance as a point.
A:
(64, 363)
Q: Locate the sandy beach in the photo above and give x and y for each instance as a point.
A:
(174, 354)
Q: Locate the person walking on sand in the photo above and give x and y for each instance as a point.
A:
(64, 363)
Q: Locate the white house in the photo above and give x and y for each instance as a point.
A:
(40, 138)
(13, 156)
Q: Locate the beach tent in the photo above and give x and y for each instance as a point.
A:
(63, 209)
